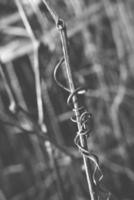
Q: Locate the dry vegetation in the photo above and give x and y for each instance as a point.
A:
(101, 39)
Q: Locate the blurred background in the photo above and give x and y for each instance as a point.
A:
(101, 41)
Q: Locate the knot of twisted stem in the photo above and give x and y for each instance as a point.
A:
(60, 24)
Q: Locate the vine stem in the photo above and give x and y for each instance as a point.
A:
(83, 139)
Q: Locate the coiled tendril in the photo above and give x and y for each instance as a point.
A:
(85, 119)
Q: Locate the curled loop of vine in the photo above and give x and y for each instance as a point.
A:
(85, 119)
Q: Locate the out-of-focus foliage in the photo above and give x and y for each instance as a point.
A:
(101, 37)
